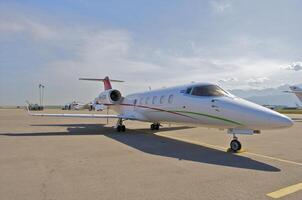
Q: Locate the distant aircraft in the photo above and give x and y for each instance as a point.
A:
(74, 106)
(34, 106)
(197, 104)
(296, 90)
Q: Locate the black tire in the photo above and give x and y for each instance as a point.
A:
(152, 127)
(119, 128)
(123, 128)
(235, 145)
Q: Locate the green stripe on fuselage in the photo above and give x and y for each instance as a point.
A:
(209, 116)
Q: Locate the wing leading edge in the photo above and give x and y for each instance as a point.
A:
(83, 116)
(75, 115)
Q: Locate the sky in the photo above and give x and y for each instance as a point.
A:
(238, 44)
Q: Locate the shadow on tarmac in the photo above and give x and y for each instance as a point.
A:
(146, 141)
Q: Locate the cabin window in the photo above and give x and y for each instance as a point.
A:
(208, 90)
(147, 100)
(188, 91)
(170, 99)
(141, 100)
(154, 100)
(162, 99)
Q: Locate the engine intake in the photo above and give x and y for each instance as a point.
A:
(109, 97)
(115, 95)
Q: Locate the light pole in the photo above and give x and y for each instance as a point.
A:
(41, 94)
(40, 99)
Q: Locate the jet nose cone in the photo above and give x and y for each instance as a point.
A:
(281, 121)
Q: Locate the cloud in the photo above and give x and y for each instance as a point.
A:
(73, 51)
(296, 66)
(198, 62)
(95, 51)
(257, 81)
(228, 80)
(63, 51)
(26, 26)
(219, 6)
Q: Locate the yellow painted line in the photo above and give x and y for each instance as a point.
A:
(240, 151)
(277, 194)
(274, 158)
(285, 191)
(226, 149)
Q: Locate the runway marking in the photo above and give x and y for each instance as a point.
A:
(285, 191)
(274, 158)
(276, 194)
(226, 149)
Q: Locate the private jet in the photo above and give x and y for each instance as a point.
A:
(297, 91)
(196, 104)
(74, 106)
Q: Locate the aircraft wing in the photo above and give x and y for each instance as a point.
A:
(75, 115)
(83, 116)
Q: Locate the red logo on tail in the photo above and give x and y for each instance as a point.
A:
(107, 84)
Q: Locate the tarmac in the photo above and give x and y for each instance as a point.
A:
(48, 158)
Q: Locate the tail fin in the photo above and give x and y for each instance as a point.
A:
(298, 91)
(295, 88)
(106, 81)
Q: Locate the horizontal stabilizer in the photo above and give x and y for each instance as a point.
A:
(100, 79)
(106, 81)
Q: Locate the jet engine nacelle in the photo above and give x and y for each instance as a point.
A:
(109, 97)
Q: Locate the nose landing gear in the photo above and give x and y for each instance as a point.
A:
(235, 145)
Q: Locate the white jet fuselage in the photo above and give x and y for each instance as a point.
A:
(178, 105)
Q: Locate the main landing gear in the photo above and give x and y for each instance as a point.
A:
(155, 126)
(120, 127)
(235, 145)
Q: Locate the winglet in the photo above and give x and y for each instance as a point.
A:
(106, 81)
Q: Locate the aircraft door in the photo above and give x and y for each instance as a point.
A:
(134, 104)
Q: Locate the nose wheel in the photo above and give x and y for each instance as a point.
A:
(235, 145)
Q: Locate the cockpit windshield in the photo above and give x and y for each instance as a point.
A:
(209, 91)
